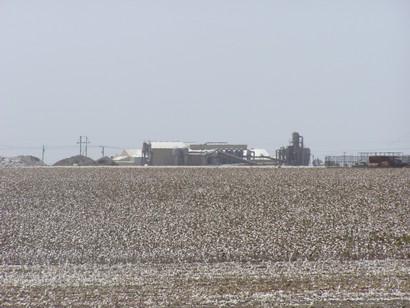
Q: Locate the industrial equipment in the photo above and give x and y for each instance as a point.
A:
(295, 154)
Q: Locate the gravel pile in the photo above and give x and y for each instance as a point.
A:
(106, 161)
(20, 161)
(78, 160)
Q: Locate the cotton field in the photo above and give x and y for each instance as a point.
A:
(204, 236)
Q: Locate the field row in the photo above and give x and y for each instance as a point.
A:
(173, 215)
(357, 283)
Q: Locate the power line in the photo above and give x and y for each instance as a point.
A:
(61, 146)
(50, 147)
(19, 148)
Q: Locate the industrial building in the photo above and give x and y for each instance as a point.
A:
(156, 153)
(178, 153)
(295, 154)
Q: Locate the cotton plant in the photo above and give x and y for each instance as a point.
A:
(249, 223)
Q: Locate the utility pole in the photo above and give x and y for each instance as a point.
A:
(81, 142)
(344, 159)
(42, 155)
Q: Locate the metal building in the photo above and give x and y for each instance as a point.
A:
(129, 157)
(158, 153)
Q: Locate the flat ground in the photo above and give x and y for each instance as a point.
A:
(204, 236)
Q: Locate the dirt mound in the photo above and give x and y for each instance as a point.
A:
(21, 161)
(106, 161)
(78, 160)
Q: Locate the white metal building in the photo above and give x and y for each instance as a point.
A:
(129, 157)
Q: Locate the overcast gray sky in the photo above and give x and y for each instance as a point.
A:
(121, 72)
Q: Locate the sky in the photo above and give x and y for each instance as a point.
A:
(247, 72)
